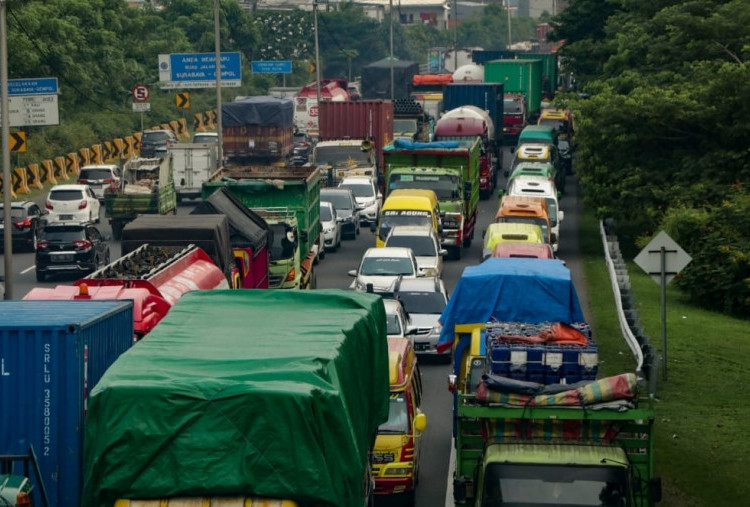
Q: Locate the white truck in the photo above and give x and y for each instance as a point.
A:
(193, 164)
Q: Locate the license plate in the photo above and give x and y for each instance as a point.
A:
(62, 258)
(66, 217)
(421, 346)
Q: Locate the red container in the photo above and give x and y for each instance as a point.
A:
(361, 119)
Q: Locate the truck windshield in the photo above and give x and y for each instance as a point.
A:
(537, 485)
(445, 185)
(398, 416)
(283, 246)
(404, 125)
(512, 107)
(526, 220)
(341, 156)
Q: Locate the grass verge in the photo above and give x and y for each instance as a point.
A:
(701, 452)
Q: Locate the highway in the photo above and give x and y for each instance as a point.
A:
(434, 476)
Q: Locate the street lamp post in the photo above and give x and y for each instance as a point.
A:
(7, 182)
(217, 49)
(317, 54)
(393, 80)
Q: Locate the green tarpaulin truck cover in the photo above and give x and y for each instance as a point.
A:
(244, 392)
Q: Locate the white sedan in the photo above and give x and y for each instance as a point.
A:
(382, 267)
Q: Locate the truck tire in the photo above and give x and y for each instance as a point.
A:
(117, 228)
(467, 240)
(455, 252)
(313, 284)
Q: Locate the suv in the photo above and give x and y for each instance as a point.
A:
(346, 209)
(99, 177)
(424, 300)
(366, 194)
(154, 143)
(70, 247)
(72, 203)
(28, 219)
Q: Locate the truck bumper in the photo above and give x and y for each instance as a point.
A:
(392, 486)
(451, 237)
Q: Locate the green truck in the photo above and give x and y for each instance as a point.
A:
(519, 76)
(146, 188)
(449, 168)
(288, 199)
(223, 405)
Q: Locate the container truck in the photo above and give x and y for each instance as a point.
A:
(52, 353)
(288, 199)
(549, 72)
(307, 109)
(532, 421)
(451, 169)
(231, 400)
(522, 76)
(146, 188)
(193, 163)
(411, 122)
(257, 129)
(352, 138)
(486, 96)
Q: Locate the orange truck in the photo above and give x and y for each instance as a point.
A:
(528, 210)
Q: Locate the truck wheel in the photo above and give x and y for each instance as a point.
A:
(117, 230)
(467, 240)
(456, 253)
(313, 284)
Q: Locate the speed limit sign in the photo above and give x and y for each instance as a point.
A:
(140, 93)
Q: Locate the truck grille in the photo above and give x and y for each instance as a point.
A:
(274, 281)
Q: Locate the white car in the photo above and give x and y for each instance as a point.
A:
(205, 138)
(398, 323)
(99, 177)
(366, 193)
(330, 225)
(72, 203)
(424, 242)
(424, 300)
(382, 267)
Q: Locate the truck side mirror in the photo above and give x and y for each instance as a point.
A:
(420, 422)
(560, 216)
(303, 236)
(373, 227)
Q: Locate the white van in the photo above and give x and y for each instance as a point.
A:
(539, 186)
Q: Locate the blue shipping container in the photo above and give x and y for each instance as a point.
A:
(52, 353)
(487, 96)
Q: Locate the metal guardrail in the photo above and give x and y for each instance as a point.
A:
(627, 313)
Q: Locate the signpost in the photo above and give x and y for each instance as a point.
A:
(141, 93)
(272, 67)
(663, 259)
(198, 70)
(33, 102)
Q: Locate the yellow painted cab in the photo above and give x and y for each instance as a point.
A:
(504, 232)
(395, 459)
(408, 206)
(528, 210)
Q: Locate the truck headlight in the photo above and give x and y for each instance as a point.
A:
(399, 471)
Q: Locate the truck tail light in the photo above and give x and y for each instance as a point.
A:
(291, 275)
(83, 204)
(82, 244)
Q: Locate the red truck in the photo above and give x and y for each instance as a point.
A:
(465, 129)
(514, 114)
(368, 121)
(153, 277)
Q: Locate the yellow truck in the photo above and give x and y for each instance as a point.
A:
(504, 232)
(407, 207)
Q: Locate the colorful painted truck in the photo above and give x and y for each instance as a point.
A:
(451, 169)
(223, 405)
(532, 421)
(257, 129)
(146, 188)
(288, 199)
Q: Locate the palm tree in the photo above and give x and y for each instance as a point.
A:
(349, 54)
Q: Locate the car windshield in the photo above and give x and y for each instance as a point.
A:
(61, 234)
(420, 245)
(359, 189)
(95, 174)
(393, 324)
(341, 156)
(398, 416)
(445, 186)
(205, 138)
(325, 214)
(422, 302)
(392, 218)
(512, 106)
(283, 247)
(340, 200)
(386, 266)
(66, 195)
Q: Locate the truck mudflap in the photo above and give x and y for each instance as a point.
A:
(238, 501)
(308, 279)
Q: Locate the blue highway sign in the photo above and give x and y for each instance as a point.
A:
(202, 66)
(33, 86)
(272, 67)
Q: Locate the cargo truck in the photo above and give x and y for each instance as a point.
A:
(52, 353)
(411, 122)
(532, 421)
(352, 138)
(257, 129)
(522, 76)
(451, 169)
(288, 199)
(549, 72)
(225, 405)
(193, 163)
(146, 188)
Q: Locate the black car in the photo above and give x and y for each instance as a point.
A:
(28, 220)
(70, 248)
(302, 149)
(154, 143)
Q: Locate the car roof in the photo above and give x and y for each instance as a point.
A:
(389, 251)
(392, 304)
(69, 187)
(99, 166)
(422, 284)
(412, 230)
(530, 181)
(523, 249)
(335, 190)
(19, 204)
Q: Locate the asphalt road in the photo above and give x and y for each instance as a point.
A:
(434, 476)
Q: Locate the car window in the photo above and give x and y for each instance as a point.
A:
(205, 138)
(34, 210)
(155, 136)
(61, 234)
(422, 302)
(325, 214)
(16, 212)
(92, 234)
(96, 174)
(73, 194)
(393, 324)
(359, 189)
(421, 245)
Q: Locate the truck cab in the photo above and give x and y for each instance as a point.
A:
(407, 207)
(395, 458)
(338, 159)
(284, 264)
(514, 114)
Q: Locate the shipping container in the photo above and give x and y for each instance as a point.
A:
(549, 72)
(486, 96)
(518, 76)
(361, 119)
(52, 354)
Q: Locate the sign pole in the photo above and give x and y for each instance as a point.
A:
(663, 253)
(217, 51)
(7, 181)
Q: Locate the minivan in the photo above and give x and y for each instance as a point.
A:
(406, 206)
(346, 209)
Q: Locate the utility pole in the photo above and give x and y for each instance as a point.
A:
(393, 79)
(7, 182)
(217, 50)
(510, 41)
(455, 35)
(317, 54)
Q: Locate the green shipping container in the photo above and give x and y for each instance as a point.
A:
(518, 76)
(276, 394)
(549, 71)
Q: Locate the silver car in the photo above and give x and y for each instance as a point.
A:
(424, 242)
(424, 300)
(330, 225)
(382, 267)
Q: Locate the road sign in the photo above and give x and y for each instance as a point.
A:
(141, 107)
(198, 70)
(182, 100)
(141, 93)
(650, 258)
(272, 67)
(33, 110)
(33, 86)
(18, 142)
